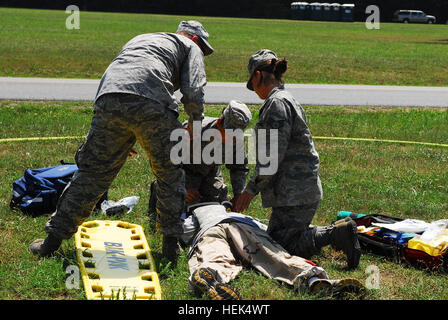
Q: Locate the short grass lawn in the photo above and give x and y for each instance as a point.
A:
(401, 180)
(36, 43)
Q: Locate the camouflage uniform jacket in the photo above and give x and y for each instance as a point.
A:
(154, 66)
(296, 181)
(238, 171)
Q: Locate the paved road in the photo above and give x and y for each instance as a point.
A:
(222, 93)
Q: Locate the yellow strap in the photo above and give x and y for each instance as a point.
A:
(40, 139)
(382, 140)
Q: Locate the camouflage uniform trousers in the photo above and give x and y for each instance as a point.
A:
(119, 121)
(225, 246)
(291, 227)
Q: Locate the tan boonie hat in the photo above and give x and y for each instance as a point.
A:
(256, 60)
(236, 115)
(196, 28)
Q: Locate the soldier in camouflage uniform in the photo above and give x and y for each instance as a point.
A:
(204, 182)
(135, 102)
(295, 190)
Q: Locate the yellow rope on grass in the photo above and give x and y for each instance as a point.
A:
(40, 139)
(383, 140)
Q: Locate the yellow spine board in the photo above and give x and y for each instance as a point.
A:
(116, 262)
(435, 247)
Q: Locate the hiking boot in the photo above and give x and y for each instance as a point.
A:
(47, 247)
(170, 249)
(344, 236)
(204, 281)
(329, 287)
(152, 199)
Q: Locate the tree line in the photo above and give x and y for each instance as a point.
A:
(278, 9)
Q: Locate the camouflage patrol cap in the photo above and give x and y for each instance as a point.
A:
(236, 115)
(258, 59)
(196, 28)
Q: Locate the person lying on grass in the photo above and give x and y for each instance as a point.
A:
(221, 241)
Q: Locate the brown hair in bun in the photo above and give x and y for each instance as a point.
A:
(280, 67)
(276, 67)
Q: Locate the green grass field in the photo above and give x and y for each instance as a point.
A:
(36, 43)
(407, 181)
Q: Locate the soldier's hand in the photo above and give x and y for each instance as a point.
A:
(190, 128)
(243, 202)
(235, 199)
(190, 132)
(192, 195)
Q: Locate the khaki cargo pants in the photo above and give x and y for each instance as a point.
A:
(226, 246)
(119, 121)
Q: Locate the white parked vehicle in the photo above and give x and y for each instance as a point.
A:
(417, 16)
